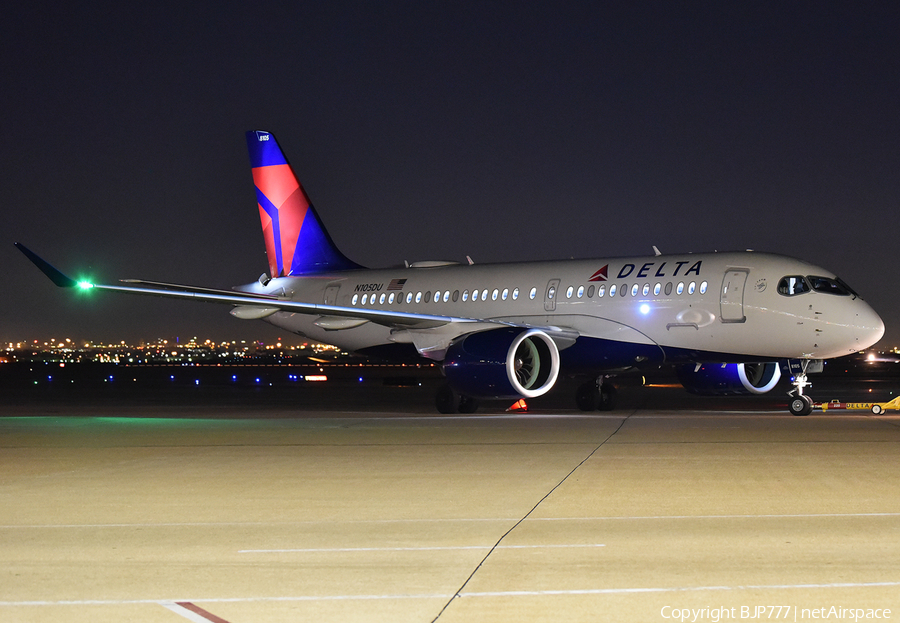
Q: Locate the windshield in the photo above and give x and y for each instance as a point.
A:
(828, 286)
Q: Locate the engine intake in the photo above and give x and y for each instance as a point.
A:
(503, 363)
(716, 379)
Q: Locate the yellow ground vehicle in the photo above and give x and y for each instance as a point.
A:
(876, 407)
(880, 407)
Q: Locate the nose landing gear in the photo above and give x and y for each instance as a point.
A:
(800, 404)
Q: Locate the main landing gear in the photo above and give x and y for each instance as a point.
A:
(449, 401)
(596, 395)
(801, 404)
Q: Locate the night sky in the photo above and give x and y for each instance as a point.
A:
(503, 131)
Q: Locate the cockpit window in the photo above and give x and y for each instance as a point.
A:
(844, 285)
(828, 286)
(793, 285)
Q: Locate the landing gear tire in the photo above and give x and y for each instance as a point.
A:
(591, 397)
(877, 409)
(588, 397)
(801, 405)
(449, 401)
(446, 400)
(467, 404)
(607, 398)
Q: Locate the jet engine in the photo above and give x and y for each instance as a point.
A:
(502, 363)
(716, 379)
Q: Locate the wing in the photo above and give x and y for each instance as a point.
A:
(264, 303)
(430, 334)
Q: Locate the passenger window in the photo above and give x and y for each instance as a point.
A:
(365, 298)
(484, 294)
(494, 294)
(533, 293)
(408, 298)
(569, 292)
(645, 290)
(656, 289)
(505, 294)
(669, 288)
(418, 297)
(612, 290)
(602, 290)
(391, 299)
(437, 296)
(465, 295)
(590, 292)
(551, 292)
(793, 285)
(474, 295)
(680, 288)
(381, 299)
(355, 299)
(634, 289)
(703, 286)
(446, 296)
(692, 287)
(580, 292)
(516, 294)
(455, 295)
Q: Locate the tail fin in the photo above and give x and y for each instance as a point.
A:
(296, 241)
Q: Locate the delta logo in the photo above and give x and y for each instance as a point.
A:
(601, 275)
(648, 268)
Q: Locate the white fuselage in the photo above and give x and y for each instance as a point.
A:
(726, 304)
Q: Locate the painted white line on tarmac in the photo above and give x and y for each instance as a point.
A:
(763, 516)
(231, 524)
(680, 589)
(411, 549)
(589, 591)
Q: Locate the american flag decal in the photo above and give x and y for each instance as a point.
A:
(396, 284)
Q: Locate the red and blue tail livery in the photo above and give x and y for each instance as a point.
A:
(296, 241)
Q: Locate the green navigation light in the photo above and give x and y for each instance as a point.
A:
(85, 285)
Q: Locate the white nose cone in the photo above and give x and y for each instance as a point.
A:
(869, 326)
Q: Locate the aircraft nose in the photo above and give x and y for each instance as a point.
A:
(869, 326)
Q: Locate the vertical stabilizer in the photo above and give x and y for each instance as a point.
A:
(296, 241)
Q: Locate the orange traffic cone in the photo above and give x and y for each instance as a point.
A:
(519, 405)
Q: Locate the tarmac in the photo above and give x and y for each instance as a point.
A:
(659, 511)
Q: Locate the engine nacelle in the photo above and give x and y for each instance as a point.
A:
(716, 379)
(502, 363)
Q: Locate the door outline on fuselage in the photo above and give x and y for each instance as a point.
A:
(731, 300)
(331, 294)
(550, 295)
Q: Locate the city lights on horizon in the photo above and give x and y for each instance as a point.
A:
(161, 350)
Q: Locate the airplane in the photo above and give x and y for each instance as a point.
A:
(730, 322)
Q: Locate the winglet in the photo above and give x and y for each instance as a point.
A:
(55, 276)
